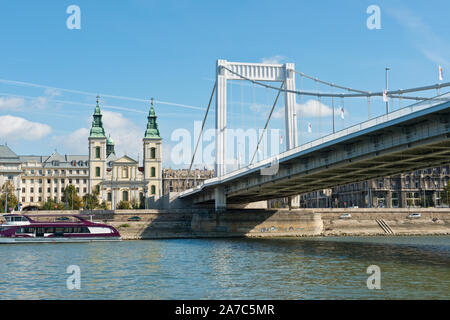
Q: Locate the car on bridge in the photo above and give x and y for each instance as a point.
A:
(345, 216)
(413, 216)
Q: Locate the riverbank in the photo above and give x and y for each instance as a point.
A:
(278, 223)
(203, 223)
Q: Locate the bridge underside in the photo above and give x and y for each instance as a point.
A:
(415, 143)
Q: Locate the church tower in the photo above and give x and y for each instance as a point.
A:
(97, 151)
(152, 156)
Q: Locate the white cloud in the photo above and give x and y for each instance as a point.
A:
(16, 128)
(11, 103)
(126, 134)
(76, 142)
(277, 59)
(310, 109)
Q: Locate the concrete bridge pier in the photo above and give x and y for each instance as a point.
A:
(220, 199)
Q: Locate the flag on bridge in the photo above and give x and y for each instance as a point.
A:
(441, 73)
(342, 113)
(309, 127)
(385, 97)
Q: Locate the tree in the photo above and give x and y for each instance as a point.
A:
(104, 205)
(445, 195)
(91, 200)
(134, 203)
(8, 188)
(71, 199)
(123, 205)
(51, 204)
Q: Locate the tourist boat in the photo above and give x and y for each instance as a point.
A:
(21, 228)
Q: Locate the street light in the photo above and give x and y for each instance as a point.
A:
(387, 99)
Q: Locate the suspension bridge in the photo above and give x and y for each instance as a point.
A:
(398, 140)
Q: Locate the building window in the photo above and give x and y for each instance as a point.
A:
(153, 172)
(97, 188)
(109, 196)
(152, 153)
(23, 180)
(97, 152)
(23, 190)
(97, 171)
(31, 189)
(125, 196)
(153, 190)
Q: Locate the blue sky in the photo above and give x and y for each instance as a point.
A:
(168, 50)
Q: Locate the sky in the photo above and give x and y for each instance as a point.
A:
(128, 52)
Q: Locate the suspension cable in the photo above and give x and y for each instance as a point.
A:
(347, 95)
(201, 131)
(267, 123)
(329, 83)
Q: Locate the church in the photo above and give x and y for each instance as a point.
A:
(122, 179)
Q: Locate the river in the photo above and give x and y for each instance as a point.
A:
(300, 268)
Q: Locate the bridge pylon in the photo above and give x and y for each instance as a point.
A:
(225, 71)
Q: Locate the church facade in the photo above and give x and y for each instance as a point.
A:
(117, 179)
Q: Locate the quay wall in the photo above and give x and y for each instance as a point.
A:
(203, 223)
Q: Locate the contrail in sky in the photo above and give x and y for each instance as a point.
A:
(29, 84)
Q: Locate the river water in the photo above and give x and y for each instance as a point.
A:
(302, 268)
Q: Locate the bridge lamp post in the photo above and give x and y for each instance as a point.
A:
(387, 98)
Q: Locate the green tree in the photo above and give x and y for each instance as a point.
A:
(445, 195)
(8, 188)
(123, 205)
(91, 201)
(51, 204)
(71, 199)
(104, 205)
(134, 203)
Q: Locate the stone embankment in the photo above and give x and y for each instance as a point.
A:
(201, 223)
(280, 223)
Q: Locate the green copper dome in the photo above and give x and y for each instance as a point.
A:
(152, 131)
(97, 130)
(110, 141)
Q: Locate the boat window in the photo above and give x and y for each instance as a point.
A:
(68, 230)
(84, 230)
(50, 230)
(59, 230)
(5, 228)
